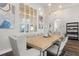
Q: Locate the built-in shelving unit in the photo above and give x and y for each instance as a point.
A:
(30, 14)
(72, 30)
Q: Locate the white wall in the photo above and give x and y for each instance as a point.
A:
(65, 16)
(4, 33)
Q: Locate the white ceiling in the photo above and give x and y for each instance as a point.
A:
(55, 6)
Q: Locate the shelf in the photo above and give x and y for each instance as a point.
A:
(73, 26)
(74, 38)
(75, 33)
(72, 35)
(73, 23)
(72, 29)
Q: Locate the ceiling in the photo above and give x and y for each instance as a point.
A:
(55, 6)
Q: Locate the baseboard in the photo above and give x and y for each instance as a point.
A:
(5, 51)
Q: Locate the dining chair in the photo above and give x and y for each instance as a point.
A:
(19, 47)
(57, 49)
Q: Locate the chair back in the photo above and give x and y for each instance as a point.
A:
(18, 45)
(62, 45)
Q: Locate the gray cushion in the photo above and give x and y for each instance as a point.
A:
(53, 49)
(33, 52)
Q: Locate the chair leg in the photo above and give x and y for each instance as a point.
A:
(45, 53)
(41, 53)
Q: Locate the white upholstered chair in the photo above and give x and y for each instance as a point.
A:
(19, 47)
(57, 49)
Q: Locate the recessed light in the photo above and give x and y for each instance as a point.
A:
(41, 13)
(39, 9)
(55, 12)
(49, 4)
(60, 6)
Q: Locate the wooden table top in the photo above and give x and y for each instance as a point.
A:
(43, 43)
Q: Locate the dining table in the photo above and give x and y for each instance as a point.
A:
(42, 43)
